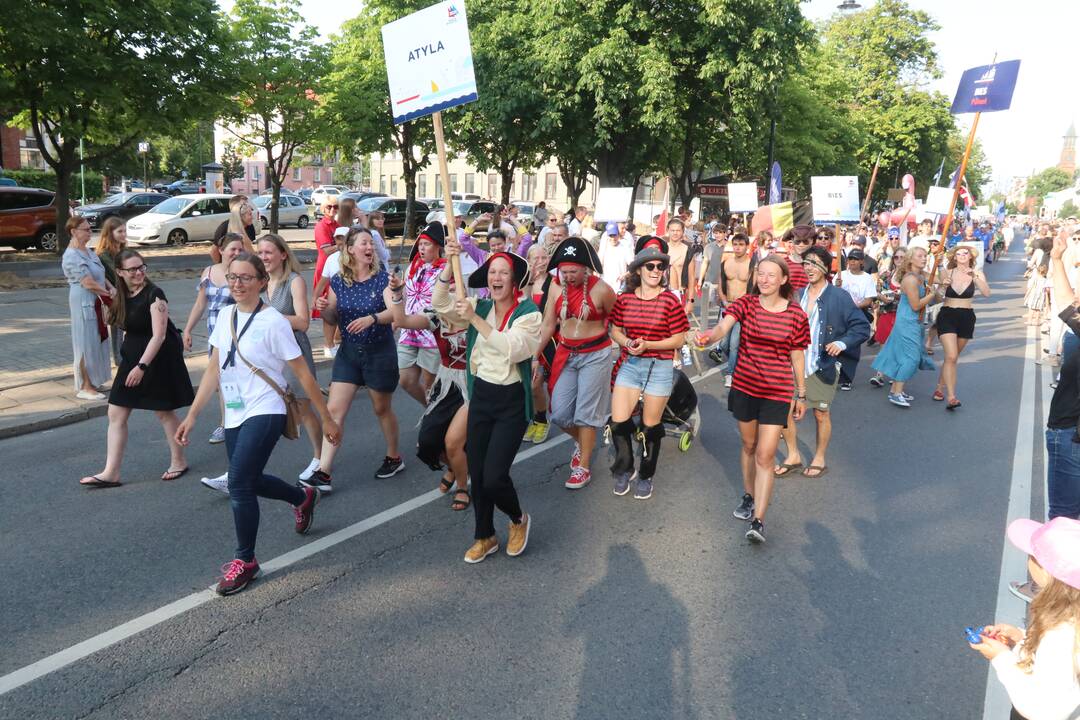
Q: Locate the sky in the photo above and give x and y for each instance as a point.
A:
(1041, 33)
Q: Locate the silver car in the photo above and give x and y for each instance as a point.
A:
(292, 210)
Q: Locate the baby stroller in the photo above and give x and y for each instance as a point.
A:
(681, 418)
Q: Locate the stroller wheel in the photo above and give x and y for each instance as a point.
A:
(685, 441)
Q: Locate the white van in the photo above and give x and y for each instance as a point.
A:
(179, 220)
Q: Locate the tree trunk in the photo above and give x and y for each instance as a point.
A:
(506, 174)
(574, 177)
(63, 193)
(408, 174)
(633, 198)
(410, 199)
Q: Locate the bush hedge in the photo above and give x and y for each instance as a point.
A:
(46, 179)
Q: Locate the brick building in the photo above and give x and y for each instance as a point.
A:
(19, 150)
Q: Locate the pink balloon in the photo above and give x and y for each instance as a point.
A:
(884, 218)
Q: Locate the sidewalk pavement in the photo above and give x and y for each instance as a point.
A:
(37, 387)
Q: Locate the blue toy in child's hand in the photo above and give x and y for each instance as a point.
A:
(974, 635)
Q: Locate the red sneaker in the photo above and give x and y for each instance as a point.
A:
(579, 478)
(575, 460)
(305, 511)
(236, 575)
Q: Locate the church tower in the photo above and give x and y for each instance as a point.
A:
(1068, 151)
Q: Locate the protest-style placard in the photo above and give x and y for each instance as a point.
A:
(835, 198)
(612, 204)
(742, 197)
(938, 200)
(429, 63)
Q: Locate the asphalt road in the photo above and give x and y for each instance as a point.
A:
(619, 608)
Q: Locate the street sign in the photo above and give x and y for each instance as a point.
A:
(987, 88)
(429, 62)
(835, 198)
(144, 147)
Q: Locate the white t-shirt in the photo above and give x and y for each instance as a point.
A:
(332, 266)
(859, 287)
(574, 228)
(268, 344)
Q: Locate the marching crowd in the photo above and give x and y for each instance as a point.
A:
(585, 326)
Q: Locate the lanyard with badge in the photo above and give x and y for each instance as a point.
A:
(231, 391)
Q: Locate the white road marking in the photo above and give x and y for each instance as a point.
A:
(77, 652)
(1010, 609)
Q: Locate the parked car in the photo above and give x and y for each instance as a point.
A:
(394, 210)
(469, 209)
(320, 193)
(355, 195)
(182, 187)
(27, 217)
(7, 182)
(525, 211)
(121, 205)
(179, 220)
(292, 210)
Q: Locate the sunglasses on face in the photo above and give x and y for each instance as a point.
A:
(802, 242)
(655, 266)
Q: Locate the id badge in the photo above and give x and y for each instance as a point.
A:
(231, 393)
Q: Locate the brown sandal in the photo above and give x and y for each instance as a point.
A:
(459, 505)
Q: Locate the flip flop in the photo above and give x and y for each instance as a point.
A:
(823, 470)
(93, 481)
(786, 469)
(459, 505)
(173, 474)
(938, 395)
(953, 404)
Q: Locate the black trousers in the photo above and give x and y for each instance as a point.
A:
(496, 427)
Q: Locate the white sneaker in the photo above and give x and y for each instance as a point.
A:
(219, 483)
(305, 474)
(218, 436)
(330, 352)
(727, 381)
(88, 395)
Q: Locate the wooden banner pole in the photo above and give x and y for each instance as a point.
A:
(955, 197)
(448, 202)
(870, 188)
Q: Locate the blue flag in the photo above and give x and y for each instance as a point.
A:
(775, 184)
(941, 168)
(987, 88)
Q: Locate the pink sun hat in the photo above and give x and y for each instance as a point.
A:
(1055, 545)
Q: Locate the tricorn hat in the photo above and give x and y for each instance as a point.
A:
(519, 266)
(577, 251)
(433, 232)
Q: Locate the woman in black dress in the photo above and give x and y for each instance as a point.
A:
(152, 374)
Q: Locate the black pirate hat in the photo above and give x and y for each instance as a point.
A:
(577, 251)
(433, 232)
(650, 241)
(519, 266)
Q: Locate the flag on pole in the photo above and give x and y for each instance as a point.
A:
(775, 183)
(777, 218)
(941, 168)
(965, 194)
(661, 222)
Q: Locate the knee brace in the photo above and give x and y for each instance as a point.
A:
(622, 438)
(651, 435)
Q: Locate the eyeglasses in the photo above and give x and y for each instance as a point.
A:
(134, 270)
(655, 266)
(333, 207)
(242, 279)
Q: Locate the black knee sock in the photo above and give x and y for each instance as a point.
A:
(622, 434)
(540, 416)
(653, 434)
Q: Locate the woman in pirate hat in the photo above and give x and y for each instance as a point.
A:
(575, 316)
(417, 351)
(503, 336)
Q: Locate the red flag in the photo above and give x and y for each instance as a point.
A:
(661, 222)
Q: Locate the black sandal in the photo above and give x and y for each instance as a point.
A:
(445, 485)
(459, 505)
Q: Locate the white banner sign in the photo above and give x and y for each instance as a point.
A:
(429, 62)
(938, 200)
(742, 197)
(612, 204)
(144, 147)
(835, 198)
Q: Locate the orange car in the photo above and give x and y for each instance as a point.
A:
(27, 217)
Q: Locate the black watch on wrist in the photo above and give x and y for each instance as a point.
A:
(142, 366)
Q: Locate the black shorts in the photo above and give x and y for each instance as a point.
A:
(957, 321)
(747, 408)
(372, 364)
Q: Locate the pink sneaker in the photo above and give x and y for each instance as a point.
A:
(575, 460)
(579, 478)
(235, 576)
(305, 511)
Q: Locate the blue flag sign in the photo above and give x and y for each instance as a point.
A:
(987, 88)
(775, 184)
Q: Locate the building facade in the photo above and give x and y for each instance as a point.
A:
(19, 150)
(1068, 151)
(307, 171)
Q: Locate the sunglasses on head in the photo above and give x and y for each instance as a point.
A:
(654, 266)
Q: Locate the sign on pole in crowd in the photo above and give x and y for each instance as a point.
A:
(835, 198)
(429, 68)
(612, 204)
(742, 197)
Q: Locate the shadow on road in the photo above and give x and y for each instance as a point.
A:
(637, 644)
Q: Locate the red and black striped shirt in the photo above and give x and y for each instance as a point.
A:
(766, 339)
(655, 320)
(796, 274)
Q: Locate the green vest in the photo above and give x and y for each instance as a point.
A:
(483, 307)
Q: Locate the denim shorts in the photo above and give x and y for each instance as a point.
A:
(372, 364)
(655, 376)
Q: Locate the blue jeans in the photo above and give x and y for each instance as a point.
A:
(249, 447)
(730, 347)
(1063, 473)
